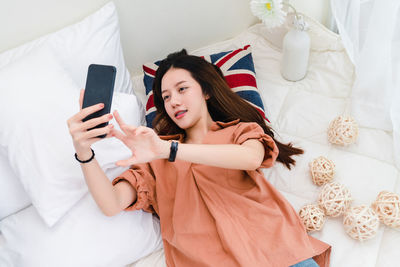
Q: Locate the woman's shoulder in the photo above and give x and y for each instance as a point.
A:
(240, 128)
(176, 137)
(237, 130)
(237, 125)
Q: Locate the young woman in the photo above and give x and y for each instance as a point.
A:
(199, 171)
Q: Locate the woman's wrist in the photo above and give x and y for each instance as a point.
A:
(165, 149)
(85, 160)
(84, 154)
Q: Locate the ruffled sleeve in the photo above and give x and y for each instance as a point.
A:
(251, 130)
(141, 177)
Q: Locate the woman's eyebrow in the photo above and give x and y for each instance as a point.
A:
(178, 83)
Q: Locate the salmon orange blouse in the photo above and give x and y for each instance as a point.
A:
(213, 216)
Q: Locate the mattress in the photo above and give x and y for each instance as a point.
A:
(300, 113)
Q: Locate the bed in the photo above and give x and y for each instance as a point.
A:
(46, 227)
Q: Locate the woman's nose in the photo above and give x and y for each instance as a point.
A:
(175, 100)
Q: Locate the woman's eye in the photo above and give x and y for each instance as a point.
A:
(165, 97)
(182, 88)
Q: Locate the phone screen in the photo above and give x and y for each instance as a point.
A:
(99, 89)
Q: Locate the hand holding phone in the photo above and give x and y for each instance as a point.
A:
(99, 89)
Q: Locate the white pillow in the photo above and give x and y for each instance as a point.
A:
(12, 194)
(94, 39)
(85, 237)
(37, 96)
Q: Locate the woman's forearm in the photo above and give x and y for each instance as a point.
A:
(247, 156)
(100, 187)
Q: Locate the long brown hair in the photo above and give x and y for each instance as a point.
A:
(223, 105)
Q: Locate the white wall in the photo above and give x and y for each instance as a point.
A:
(164, 26)
(317, 9)
(25, 20)
(149, 29)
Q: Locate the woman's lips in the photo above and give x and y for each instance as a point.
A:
(180, 114)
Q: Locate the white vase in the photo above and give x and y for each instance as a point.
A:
(295, 53)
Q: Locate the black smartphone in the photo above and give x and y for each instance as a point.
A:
(99, 89)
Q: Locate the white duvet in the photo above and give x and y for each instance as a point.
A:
(300, 112)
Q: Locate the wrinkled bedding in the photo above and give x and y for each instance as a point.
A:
(300, 112)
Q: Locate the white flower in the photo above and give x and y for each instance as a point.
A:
(269, 11)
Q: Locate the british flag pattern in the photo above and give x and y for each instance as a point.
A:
(238, 69)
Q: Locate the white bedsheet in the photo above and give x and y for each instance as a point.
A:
(300, 113)
(6, 259)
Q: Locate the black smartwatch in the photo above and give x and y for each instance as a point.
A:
(172, 151)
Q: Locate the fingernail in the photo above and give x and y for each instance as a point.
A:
(101, 105)
(110, 116)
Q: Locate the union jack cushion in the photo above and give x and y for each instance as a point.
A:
(238, 69)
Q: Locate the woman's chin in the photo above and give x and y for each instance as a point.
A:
(182, 124)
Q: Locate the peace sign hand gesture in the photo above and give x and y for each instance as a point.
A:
(144, 143)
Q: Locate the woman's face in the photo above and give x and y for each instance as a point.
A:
(183, 98)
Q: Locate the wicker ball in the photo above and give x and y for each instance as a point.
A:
(334, 199)
(361, 222)
(322, 170)
(387, 206)
(313, 217)
(343, 130)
